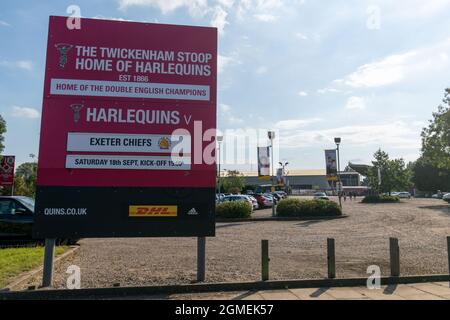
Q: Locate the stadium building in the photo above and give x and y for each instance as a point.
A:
(306, 181)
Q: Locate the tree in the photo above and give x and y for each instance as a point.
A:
(2, 132)
(428, 177)
(436, 137)
(20, 187)
(395, 174)
(431, 172)
(233, 182)
(27, 172)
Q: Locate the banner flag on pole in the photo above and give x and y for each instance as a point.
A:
(263, 163)
(331, 167)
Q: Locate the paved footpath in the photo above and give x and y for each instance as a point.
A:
(420, 291)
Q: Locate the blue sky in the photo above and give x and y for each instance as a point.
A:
(371, 72)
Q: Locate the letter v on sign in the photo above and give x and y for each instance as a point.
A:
(187, 119)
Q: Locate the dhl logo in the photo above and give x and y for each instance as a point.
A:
(152, 211)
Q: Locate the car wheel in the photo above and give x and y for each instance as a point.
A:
(72, 242)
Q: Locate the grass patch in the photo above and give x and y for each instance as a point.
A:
(14, 261)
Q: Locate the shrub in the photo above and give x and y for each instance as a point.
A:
(380, 199)
(307, 208)
(234, 209)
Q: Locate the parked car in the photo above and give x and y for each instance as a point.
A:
(17, 219)
(277, 196)
(220, 196)
(238, 197)
(321, 196)
(446, 197)
(404, 195)
(255, 204)
(274, 198)
(439, 195)
(264, 201)
(282, 194)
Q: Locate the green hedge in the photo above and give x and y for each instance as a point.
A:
(307, 208)
(380, 199)
(234, 209)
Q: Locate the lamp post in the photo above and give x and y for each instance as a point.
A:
(338, 142)
(219, 141)
(271, 135)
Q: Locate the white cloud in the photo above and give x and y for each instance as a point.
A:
(216, 10)
(4, 24)
(387, 71)
(265, 17)
(395, 134)
(302, 93)
(219, 19)
(295, 123)
(226, 3)
(355, 103)
(227, 114)
(422, 9)
(327, 90)
(234, 120)
(100, 17)
(399, 67)
(224, 61)
(24, 112)
(25, 64)
(195, 7)
(261, 70)
(261, 9)
(224, 108)
(265, 5)
(301, 36)
(20, 64)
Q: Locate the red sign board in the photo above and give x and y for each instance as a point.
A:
(128, 105)
(7, 170)
(114, 78)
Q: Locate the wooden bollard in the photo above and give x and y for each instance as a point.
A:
(448, 253)
(331, 258)
(394, 251)
(265, 260)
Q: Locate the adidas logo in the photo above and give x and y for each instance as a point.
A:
(192, 212)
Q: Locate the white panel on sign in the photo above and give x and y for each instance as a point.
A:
(117, 142)
(127, 162)
(99, 88)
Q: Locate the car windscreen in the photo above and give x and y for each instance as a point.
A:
(27, 202)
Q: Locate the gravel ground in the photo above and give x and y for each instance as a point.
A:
(297, 248)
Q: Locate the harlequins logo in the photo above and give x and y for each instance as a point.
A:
(9, 160)
(7, 168)
(63, 49)
(164, 143)
(76, 108)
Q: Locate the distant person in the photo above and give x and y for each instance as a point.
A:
(345, 196)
